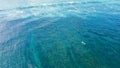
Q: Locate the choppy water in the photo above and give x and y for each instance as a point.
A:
(75, 34)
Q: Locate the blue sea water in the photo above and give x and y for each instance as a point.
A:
(65, 34)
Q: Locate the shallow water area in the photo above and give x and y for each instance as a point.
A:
(60, 34)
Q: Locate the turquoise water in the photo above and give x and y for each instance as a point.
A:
(75, 34)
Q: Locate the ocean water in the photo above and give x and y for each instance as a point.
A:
(60, 34)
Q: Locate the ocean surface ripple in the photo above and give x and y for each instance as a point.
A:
(75, 34)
